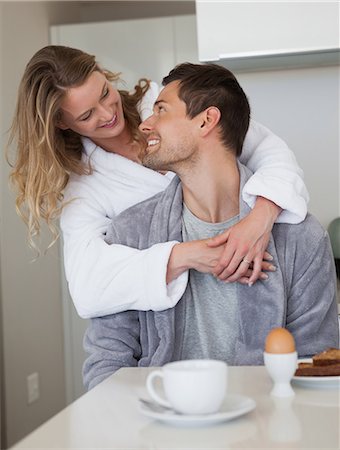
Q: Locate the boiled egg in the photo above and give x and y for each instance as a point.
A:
(279, 340)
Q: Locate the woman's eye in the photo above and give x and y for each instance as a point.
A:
(86, 117)
(105, 94)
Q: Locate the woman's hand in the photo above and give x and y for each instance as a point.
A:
(203, 257)
(245, 245)
(248, 274)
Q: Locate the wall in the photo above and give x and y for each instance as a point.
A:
(2, 390)
(30, 292)
(120, 10)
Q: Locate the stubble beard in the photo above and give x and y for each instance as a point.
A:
(173, 159)
(154, 162)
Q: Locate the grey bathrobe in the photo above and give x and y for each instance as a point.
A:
(300, 295)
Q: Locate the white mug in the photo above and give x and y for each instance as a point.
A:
(195, 386)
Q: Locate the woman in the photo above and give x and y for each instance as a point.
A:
(79, 150)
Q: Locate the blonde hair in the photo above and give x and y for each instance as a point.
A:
(47, 155)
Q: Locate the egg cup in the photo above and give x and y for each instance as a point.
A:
(281, 368)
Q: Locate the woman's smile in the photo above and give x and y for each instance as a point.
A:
(111, 123)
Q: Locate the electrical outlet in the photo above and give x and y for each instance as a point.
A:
(33, 391)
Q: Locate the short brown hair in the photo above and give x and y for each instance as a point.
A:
(204, 85)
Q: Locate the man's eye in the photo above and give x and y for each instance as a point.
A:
(161, 109)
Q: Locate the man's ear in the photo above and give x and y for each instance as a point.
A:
(210, 119)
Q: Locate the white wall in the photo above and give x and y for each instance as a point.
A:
(30, 292)
(2, 403)
(138, 9)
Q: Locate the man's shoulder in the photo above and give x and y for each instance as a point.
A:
(299, 247)
(132, 222)
(144, 207)
(147, 207)
(307, 234)
(136, 220)
(310, 226)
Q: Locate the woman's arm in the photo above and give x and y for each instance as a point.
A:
(203, 257)
(276, 192)
(105, 279)
(277, 176)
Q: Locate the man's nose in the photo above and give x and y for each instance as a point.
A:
(146, 125)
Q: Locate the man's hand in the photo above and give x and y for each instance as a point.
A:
(245, 245)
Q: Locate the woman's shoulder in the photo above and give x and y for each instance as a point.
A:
(145, 106)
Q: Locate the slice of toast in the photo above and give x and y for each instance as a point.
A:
(328, 357)
(310, 370)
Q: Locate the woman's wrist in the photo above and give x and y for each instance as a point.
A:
(178, 262)
(268, 209)
(193, 255)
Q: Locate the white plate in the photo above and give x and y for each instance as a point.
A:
(233, 406)
(317, 382)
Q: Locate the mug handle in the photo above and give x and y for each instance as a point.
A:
(150, 387)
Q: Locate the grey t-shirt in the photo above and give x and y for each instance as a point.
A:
(212, 315)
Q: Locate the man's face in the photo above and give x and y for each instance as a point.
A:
(170, 133)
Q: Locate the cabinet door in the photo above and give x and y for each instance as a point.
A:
(232, 30)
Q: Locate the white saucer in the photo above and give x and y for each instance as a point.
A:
(317, 382)
(233, 406)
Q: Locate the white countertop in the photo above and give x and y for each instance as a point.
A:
(108, 418)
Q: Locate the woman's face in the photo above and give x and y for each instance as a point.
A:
(93, 109)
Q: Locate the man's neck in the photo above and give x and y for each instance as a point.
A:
(211, 187)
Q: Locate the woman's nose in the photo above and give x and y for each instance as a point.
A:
(106, 113)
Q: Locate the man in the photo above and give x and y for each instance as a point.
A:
(199, 123)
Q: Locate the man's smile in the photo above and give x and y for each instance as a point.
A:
(153, 142)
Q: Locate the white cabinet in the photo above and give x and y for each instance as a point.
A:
(249, 34)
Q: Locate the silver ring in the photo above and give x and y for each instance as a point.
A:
(246, 261)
